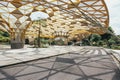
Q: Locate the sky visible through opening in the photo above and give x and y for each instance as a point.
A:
(114, 12)
(37, 15)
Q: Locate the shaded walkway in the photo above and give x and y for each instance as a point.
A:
(73, 66)
(15, 56)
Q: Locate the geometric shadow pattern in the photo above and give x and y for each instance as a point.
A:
(72, 66)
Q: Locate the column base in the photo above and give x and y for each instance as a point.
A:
(17, 45)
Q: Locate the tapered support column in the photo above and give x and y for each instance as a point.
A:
(17, 40)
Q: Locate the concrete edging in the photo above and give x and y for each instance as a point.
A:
(115, 56)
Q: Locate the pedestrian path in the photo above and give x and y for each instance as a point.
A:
(115, 54)
(14, 56)
(92, 50)
(75, 65)
(8, 57)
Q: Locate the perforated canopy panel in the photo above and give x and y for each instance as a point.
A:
(68, 16)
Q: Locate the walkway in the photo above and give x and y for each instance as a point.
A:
(8, 57)
(81, 63)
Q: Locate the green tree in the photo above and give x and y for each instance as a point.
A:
(100, 43)
(4, 36)
(110, 29)
(95, 38)
(86, 41)
(40, 23)
(107, 36)
(111, 42)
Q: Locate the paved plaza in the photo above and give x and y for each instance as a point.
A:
(58, 63)
(86, 63)
(49, 23)
(13, 56)
(8, 57)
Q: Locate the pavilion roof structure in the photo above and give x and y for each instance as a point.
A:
(71, 16)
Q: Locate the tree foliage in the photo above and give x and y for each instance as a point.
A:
(40, 23)
(95, 37)
(109, 39)
(4, 36)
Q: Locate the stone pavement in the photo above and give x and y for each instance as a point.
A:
(8, 57)
(115, 54)
(88, 63)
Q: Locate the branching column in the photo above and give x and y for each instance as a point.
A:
(17, 39)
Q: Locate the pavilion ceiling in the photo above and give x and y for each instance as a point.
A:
(64, 15)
